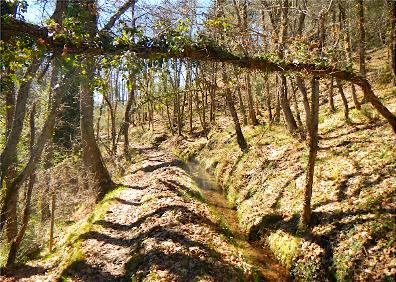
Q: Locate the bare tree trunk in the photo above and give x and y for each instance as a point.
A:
(49, 148)
(313, 149)
(284, 101)
(331, 93)
(213, 95)
(203, 110)
(188, 92)
(298, 117)
(344, 100)
(304, 93)
(127, 116)
(231, 107)
(169, 118)
(91, 153)
(29, 168)
(7, 87)
(8, 214)
(98, 121)
(131, 97)
(8, 155)
(362, 38)
(392, 37)
(252, 114)
(269, 109)
(242, 106)
(277, 106)
(354, 97)
(114, 113)
(12, 253)
(346, 24)
(190, 108)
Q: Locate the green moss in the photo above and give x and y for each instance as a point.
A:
(285, 247)
(69, 251)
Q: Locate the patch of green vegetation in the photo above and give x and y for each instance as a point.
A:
(76, 257)
(225, 230)
(310, 269)
(286, 247)
(343, 259)
(69, 251)
(4, 249)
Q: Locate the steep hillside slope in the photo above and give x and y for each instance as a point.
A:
(354, 190)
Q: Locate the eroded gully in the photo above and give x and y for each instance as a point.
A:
(214, 196)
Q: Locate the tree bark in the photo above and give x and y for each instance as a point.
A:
(331, 93)
(269, 108)
(27, 171)
(392, 38)
(8, 155)
(344, 100)
(362, 38)
(284, 101)
(231, 107)
(344, 24)
(252, 115)
(12, 253)
(127, 115)
(91, 153)
(313, 149)
(241, 105)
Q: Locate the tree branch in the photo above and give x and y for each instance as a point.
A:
(118, 14)
(201, 51)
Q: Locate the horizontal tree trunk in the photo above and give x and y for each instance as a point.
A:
(206, 51)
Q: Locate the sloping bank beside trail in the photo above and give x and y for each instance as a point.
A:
(353, 197)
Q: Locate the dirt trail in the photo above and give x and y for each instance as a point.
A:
(160, 229)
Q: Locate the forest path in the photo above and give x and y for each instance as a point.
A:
(160, 229)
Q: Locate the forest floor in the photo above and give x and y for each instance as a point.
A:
(159, 228)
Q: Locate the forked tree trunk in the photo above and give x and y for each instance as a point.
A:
(252, 114)
(9, 154)
(313, 149)
(28, 170)
(12, 253)
(345, 24)
(344, 100)
(284, 101)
